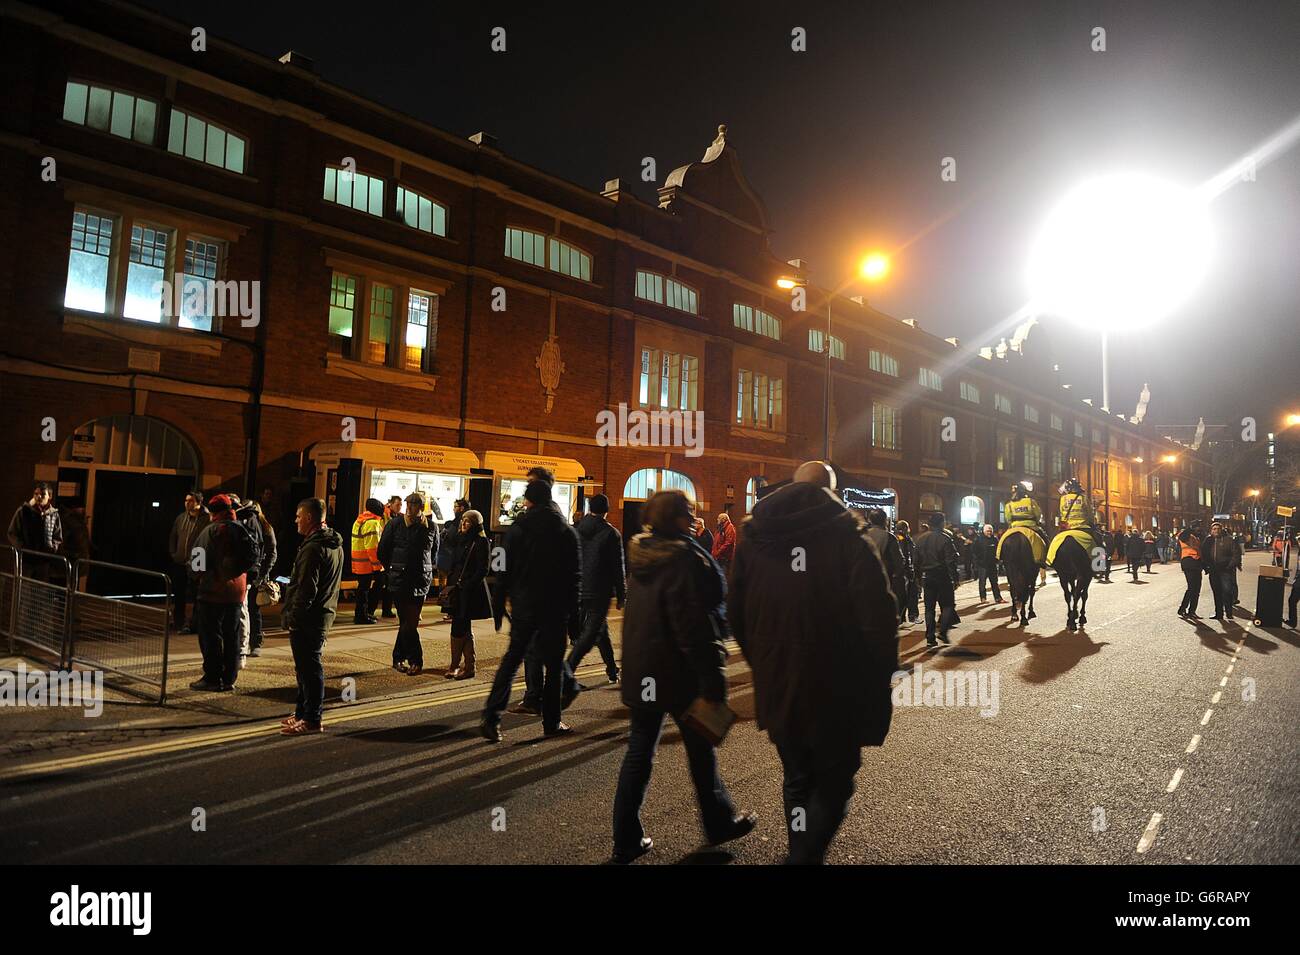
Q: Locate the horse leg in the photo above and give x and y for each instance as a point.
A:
(1083, 603)
(1032, 588)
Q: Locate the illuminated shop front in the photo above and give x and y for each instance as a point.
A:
(510, 477)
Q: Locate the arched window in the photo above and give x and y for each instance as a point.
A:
(930, 503)
(891, 510)
(647, 481)
(130, 441)
(972, 510)
(752, 487)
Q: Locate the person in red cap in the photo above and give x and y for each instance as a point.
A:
(224, 553)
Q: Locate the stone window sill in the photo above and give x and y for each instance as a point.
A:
(140, 333)
(382, 374)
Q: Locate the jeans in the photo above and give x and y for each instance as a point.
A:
(254, 620)
(594, 633)
(938, 591)
(716, 808)
(407, 645)
(307, 646)
(544, 639)
(1192, 571)
(1223, 584)
(991, 574)
(218, 627)
(817, 787)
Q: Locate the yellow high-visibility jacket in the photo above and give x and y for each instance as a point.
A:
(1076, 511)
(365, 544)
(1023, 513)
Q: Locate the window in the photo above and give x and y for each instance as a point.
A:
(971, 510)
(886, 427)
(110, 111)
(160, 273)
(1002, 403)
(1078, 430)
(930, 379)
(1155, 485)
(756, 320)
(381, 323)
(421, 330)
(1031, 414)
(1006, 451)
(1096, 436)
(970, 393)
(752, 487)
(885, 364)
(1057, 423)
(88, 262)
(526, 246)
(205, 142)
(1034, 458)
(931, 502)
(569, 260)
(1114, 442)
(816, 342)
(758, 400)
(669, 380)
(1098, 474)
(651, 286)
(146, 268)
(202, 269)
(1173, 490)
(931, 431)
(355, 190)
(646, 482)
(343, 312)
(1058, 464)
(398, 326)
(421, 212)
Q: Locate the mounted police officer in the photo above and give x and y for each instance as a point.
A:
(1077, 512)
(1023, 511)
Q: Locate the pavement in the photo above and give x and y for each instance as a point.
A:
(1145, 739)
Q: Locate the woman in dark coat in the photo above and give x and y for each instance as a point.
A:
(407, 549)
(673, 628)
(468, 576)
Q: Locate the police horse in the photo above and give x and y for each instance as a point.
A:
(1022, 575)
(1073, 567)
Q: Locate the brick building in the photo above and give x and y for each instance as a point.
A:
(432, 313)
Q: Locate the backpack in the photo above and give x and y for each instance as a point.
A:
(239, 551)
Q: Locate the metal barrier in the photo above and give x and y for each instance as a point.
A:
(8, 590)
(125, 635)
(40, 612)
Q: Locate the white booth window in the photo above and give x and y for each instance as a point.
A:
(440, 491)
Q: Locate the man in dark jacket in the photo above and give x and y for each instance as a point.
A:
(673, 656)
(185, 529)
(910, 600)
(541, 581)
(1222, 557)
(1134, 551)
(888, 550)
(310, 603)
(936, 562)
(224, 554)
(985, 550)
(601, 549)
(812, 610)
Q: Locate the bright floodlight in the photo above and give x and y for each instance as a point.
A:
(875, 267)
(1119, 252)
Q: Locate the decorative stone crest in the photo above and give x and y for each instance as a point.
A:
(551, 368)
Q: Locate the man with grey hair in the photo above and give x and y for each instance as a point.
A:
(986, 563)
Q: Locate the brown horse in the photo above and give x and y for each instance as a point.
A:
(1073, 566)
(1022, 575)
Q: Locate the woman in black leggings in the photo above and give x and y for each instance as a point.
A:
(1189, 545)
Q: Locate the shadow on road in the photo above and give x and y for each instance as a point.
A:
(1049, 657)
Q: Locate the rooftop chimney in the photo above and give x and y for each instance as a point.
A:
(954, 342)
(484, 139)
(911, 321)
(612, 188)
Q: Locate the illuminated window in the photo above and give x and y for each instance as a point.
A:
(886, 427)
(756, 320)
(1006, 452)
(355, 190)
(146, 268)
(88, 262)
(752, 487)
(569, 260)
(1002, 403)
(1057, 423)
(1033, 457)
(930, 379)
(642, 484)
(381, 323)
(198, 292)
(526, 246)
(421, 338)
(1031, 414)
(885, 364)
(110, 111)
(343, 312)
(970, 393)
(421, 212)
(758, 400)
(669, 380)
(816, 340)
(205, 142)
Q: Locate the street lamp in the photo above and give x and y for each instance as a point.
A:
(1119, 252)
(873, 268)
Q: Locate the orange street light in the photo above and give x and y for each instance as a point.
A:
(787, 283)
(1292, 420)
(1169, 459)
(1253, 492)
(874, 267)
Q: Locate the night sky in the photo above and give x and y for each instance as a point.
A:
(844, 141)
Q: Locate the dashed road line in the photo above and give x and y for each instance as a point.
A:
(1218, 695)
(1149, 836)
(1173, 783)
(1206, 718)
(1196, 741)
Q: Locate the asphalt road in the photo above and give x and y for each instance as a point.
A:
(1090, 732)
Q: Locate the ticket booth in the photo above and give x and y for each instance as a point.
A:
(349, 472)
(510, 477)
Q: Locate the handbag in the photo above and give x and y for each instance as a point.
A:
(449, 596)
(268, 592)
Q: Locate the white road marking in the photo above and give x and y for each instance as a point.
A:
(1218, 695)
(1223, 682)
(1196, 741)
(1206, 718)
(1149, 836)
(1173, 783)
(1229, 670)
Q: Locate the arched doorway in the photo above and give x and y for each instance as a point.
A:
(128, 476)
(642, 484)
(971, 511)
